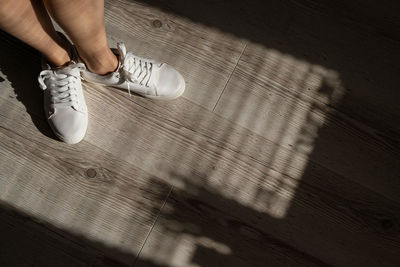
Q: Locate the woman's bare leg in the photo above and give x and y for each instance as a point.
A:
(83, 21)
(28, 21)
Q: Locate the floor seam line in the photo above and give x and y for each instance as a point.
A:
(230, 76)
(152, 226)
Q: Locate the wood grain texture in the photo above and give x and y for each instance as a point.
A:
(197, 230)
(297, 165)
(318, 84)
(289, 102)
(97, 209)
(291, 198)
(330, 218)
(205, 57)
(334, 73)
(27, 242)
(81, 190)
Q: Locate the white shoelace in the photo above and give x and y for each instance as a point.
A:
(134, 69)
(62, 84)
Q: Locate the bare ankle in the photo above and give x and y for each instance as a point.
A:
(59, 58)
(61, 54)
(103, 64)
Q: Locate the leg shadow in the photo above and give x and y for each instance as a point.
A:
(20, 65)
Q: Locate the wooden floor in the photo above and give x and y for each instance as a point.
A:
(283, 151)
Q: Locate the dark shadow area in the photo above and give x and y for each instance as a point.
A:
(359, 41)
(239, 235)
(20, 65)
(248, 19)
(332, 34)
(27, 242)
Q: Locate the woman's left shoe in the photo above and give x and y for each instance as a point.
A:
(141, 76)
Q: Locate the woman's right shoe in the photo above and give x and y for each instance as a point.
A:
(64, 102)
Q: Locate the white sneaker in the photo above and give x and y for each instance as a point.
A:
(64, 103)
(142, 76)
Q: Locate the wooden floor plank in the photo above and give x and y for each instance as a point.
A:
(177, 139)
(296, 166)
(195, 231)
(205, 57)
(331, 222)
(288, 98)
(27, 242)
(80, 193)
